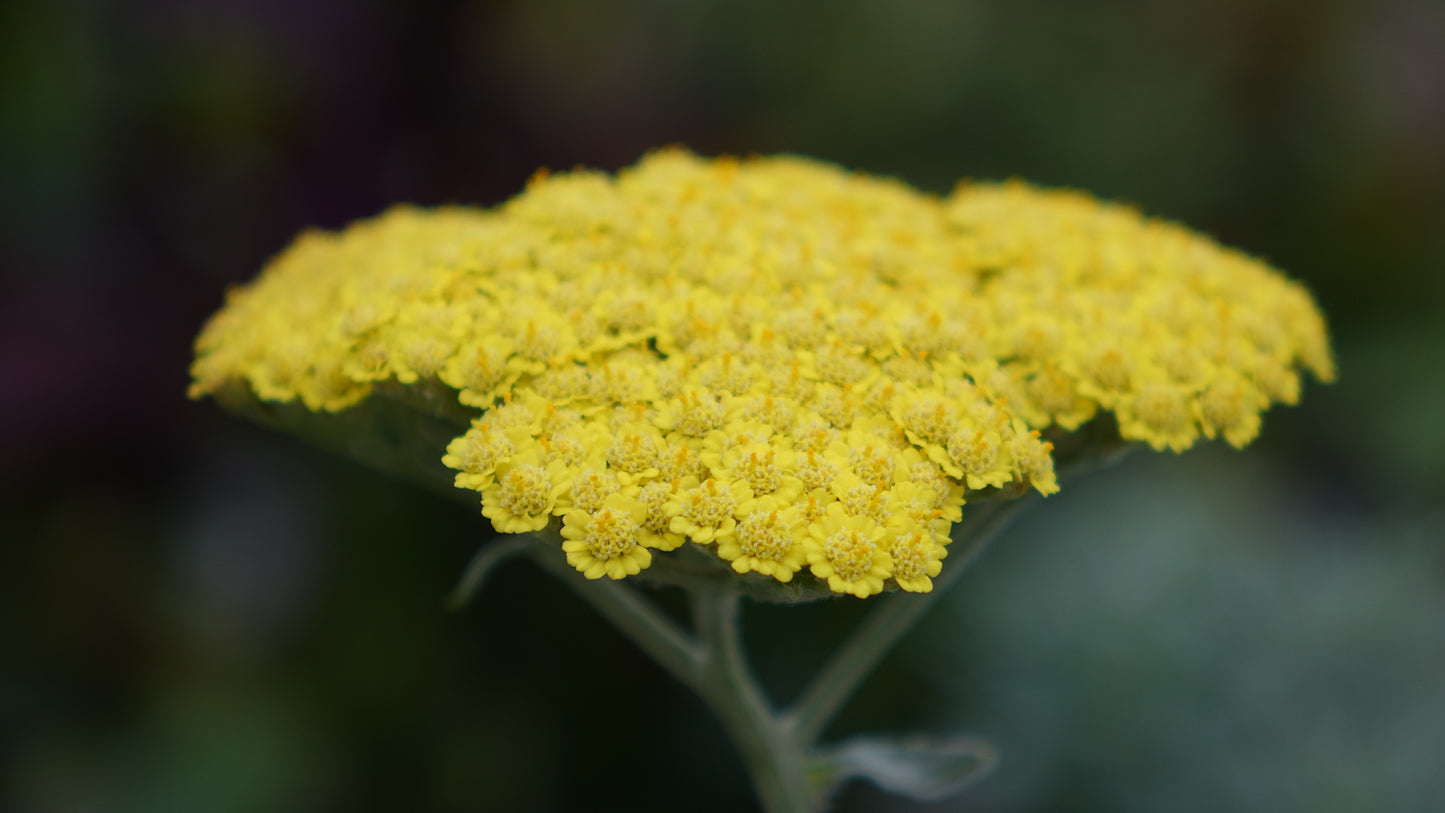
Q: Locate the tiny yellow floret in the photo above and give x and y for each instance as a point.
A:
(768, 540)
(706, 511)
(848, 551)
(608, 539)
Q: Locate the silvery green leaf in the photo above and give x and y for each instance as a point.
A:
(918, 767)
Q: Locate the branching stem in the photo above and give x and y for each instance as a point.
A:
(775, 747)
(775, 762)
(642, 623)
(856, 659)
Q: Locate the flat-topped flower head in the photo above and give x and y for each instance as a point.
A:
(778, 361)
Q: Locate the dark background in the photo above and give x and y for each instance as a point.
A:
(196, 615)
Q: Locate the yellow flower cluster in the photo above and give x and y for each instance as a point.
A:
(789, 364)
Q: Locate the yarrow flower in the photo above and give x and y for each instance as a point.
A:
(802, 371)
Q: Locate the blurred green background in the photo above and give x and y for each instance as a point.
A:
(198, 616)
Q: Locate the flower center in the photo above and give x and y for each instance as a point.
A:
(817, 471)
(761, 472)
(700, 414)
(1161, 408)
(910, 556)
(592, 488)
(678, 463)
(655, 495)
(851, 554)
(762, 536)
(611, 534)
(975, 451)
(538, 343)
(526, 491)
(708, 505)
(872, 464)
(633, 452)
(479, 453)
(486, 370)
(562, 447)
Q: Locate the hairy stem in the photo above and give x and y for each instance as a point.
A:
(860, 654)
(775, 747)
(776, 764)
(486, 560)
(642, 623)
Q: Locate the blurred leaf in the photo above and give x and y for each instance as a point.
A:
(918, 767)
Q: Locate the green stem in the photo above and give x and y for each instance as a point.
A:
(774, 747)
(776, 764)
(486, 560)
(643, 624)
(715, 667)
(852, 663)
